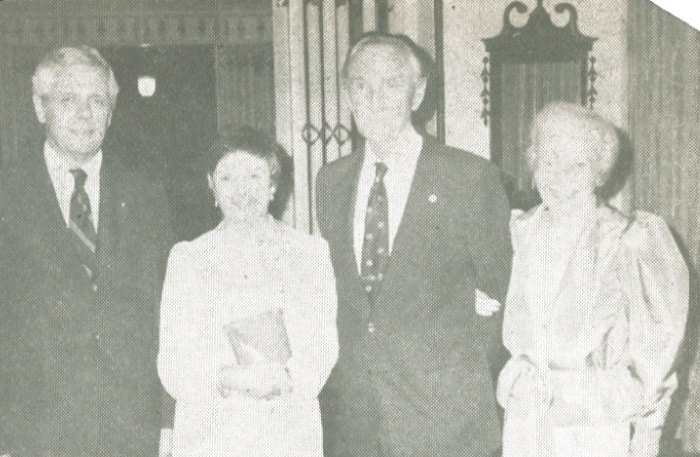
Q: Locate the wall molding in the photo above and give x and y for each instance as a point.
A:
(134, 28)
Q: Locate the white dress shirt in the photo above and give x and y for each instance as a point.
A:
(63, 182)
(401, 166)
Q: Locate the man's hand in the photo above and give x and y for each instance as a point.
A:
(259, 380)
(165, 446)
(485, 305)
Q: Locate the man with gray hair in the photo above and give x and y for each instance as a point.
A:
(414, 227)
(83, 243)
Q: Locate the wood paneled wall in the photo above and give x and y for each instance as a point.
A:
(664, 124)
(664, 118)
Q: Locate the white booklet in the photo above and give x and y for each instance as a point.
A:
(261, 338)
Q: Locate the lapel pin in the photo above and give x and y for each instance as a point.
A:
(432, 198)
(123, 204)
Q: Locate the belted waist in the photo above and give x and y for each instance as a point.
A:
(570, 395)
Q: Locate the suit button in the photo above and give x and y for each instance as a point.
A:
(94, 287)
(97, 337)
(370, 327)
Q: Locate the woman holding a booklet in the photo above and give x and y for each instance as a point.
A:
(247, 333)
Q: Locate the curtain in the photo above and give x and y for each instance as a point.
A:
(245, 87)
(664, 120)
(19, 127)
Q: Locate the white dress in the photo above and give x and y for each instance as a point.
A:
(221, 277)
(593, 321)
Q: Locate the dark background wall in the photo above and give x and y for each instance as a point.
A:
(212, 60)
(174, 127)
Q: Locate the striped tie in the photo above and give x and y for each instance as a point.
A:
(81, 227)
(375, 246)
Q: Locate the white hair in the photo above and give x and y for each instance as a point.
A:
(59, 59)
(399, 43)
(578, 120)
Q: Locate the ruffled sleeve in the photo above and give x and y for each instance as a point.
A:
(656, 282)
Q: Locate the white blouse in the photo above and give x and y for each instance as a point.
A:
(224, 276)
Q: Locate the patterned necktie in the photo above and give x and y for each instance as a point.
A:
(375, 245)
(81, 227)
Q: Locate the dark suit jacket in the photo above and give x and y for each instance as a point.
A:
(78, 371)
(420, 384)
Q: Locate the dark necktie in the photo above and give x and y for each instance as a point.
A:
(81, 227)
(375, 245)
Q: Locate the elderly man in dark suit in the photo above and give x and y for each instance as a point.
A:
(414, 228)
(83, 242)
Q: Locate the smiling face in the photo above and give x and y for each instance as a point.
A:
(242, 187)
(76, 112)
(564, 174)
(383, 90)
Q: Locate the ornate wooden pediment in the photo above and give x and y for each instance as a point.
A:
(539, 39)
(527, 67)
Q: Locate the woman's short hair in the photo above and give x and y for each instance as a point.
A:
(403, 45)
(59, 59)
(578, 120)
(251, 141)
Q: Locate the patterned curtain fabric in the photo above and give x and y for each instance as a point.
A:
(245, 87)
(664, 121)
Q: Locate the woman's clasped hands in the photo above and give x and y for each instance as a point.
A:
(261, 380)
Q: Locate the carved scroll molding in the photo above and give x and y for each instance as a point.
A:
(539, 39)
(136, 28)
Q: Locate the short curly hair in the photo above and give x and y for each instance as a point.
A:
(251, 141)
(578, 120)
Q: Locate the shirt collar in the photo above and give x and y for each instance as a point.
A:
(407, 151)
(57, 162)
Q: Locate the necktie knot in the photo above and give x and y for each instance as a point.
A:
(380, 170)
(80, 177)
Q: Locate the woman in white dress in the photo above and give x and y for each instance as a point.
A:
(246, 267)
(596, 307)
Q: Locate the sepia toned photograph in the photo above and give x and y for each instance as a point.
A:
(349, 228)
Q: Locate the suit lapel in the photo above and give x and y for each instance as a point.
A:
(420, 214)
(40, 201)
(346, 193)
(113, 178)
